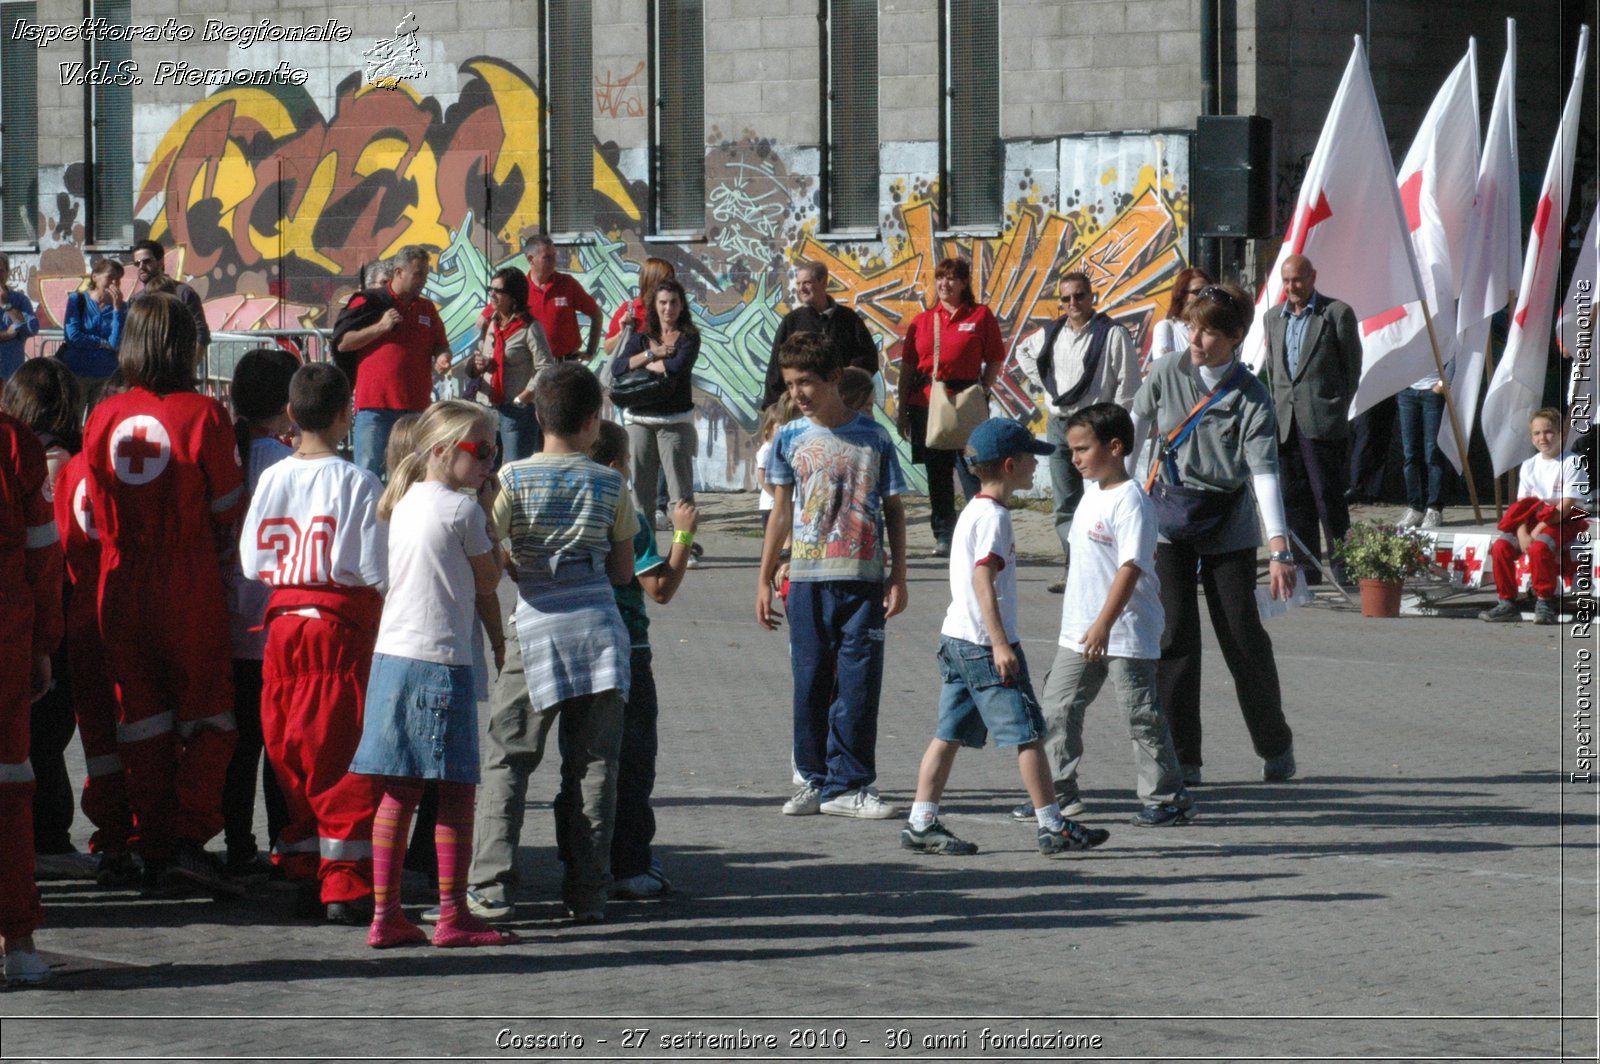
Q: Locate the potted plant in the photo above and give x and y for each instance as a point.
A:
(1381, 555)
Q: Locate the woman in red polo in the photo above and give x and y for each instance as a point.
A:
(970, 353)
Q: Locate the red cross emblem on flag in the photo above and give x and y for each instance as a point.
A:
(140, 449)
(82, 512)
(1468, 566)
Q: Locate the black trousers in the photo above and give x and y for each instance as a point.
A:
(941, 466)
(1311, 474)
(1229, 581)
(1370, 436)
(52, 724)
(239, 785)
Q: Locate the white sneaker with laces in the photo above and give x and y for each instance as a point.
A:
(1432, 519)
(807, 801)
(1412, 518)
(862, 803)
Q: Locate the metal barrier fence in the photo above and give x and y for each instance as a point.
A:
(227, 348)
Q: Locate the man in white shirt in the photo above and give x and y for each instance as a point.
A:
(1080, 359)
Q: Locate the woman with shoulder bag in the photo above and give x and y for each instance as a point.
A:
(513, 351)
(632, 315)
(1216, 462)
(660, 420)
(957, 344)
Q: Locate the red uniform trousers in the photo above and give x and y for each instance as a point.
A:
(1548, 559)
(94, 702)
(20, 912)
(168, 648)
(314, 673)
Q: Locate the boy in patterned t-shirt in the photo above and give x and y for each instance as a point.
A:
(836, 482)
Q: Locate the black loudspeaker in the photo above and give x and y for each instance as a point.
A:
(1233, 186)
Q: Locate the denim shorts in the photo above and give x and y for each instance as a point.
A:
(421, 722)
(974, 704)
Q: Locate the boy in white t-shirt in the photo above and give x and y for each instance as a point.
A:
(1111, 623)
(1551, 509)
(986, 686)
(312, 535)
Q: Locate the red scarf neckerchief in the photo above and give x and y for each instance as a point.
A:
(498, 386)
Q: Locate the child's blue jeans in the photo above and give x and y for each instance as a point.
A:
(836, 651)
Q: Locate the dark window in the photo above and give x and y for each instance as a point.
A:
(973, 159)
(569, 134)
(850, 113)
(19, 129)
(109, 114)
(678, 115)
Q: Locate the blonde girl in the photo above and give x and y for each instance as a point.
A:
(421, 719)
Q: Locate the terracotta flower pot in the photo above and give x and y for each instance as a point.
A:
(1380, 598)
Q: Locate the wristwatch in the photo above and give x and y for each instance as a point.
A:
(1286, 557)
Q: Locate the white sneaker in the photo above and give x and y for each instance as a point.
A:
(807, 801)
(1432, 519)
(25, 968)
(862, 803)
(1412, 518)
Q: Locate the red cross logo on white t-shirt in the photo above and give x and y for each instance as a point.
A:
(140, 449)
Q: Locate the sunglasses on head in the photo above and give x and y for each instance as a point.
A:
(1221, 295)
(482, 450)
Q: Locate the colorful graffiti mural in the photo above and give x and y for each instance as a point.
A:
(276, 203)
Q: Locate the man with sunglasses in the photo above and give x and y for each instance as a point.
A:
(1079, 359)
(1314, 359)
(150, 260)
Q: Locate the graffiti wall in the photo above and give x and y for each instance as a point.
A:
(275, 200)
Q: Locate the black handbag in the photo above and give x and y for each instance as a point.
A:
(1185, 514)
(640, 387)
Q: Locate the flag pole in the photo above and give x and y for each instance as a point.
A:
(1450, 408)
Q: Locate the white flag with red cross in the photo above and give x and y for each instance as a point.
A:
(1492, 256)
(1518, 382)
(1348, 220)
(1437, 183)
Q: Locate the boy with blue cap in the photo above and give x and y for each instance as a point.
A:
(986, 688)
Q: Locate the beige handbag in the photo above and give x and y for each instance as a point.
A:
(951, 419)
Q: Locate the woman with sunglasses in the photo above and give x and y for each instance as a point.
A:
(1232, 452)
(965, 337)
(1171, 333)
(513, 350)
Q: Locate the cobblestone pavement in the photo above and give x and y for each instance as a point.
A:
(1425, 888)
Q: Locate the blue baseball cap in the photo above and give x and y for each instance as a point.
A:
(1000, 437)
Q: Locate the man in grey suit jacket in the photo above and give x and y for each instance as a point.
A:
(1314, 356)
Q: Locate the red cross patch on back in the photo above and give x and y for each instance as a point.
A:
(140, 449)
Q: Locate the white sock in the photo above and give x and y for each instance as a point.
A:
(923, 814)
(1049, 816)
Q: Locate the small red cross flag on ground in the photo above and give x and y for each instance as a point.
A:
(1518, 382)
(1493, 251)
(1348, 220)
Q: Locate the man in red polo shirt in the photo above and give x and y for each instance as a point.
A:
(399, 342)
(556, 299)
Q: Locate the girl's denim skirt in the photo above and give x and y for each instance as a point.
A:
(421, 722)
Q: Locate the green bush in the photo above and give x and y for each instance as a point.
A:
(1380, 550)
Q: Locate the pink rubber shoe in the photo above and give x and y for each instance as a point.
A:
(469, 930)
(394, 930)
